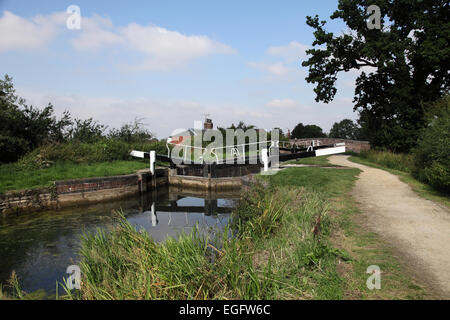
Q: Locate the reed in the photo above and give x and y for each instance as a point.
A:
(278, 250)
(397, 161)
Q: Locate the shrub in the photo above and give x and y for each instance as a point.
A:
(76, 152)
(80, 152)
(158, 146)
(432, 154)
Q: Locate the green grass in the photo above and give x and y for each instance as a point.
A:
(329, 181)
(420, 188)
(260, 262)
(352, 235)
(357, 247)
(12, 177)
(299, 237)
(286, 247)
(319, 161)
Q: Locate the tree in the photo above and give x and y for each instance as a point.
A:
(242, 125)
(403, 66)
(24, 127)
(346, 129)
(309, 131)
(87, 130)
(131, 132)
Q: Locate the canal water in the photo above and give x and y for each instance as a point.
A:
(40, 246)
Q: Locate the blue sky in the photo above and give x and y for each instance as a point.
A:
(170, 62)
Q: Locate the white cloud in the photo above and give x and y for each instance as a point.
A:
(161, 116)
(281, 103)
(290, 52)
(162, 49)
(281, 63)
(272, 68)
(96, 32)
(168, 49)
(277, 72)
(164, 116)
(18, 34)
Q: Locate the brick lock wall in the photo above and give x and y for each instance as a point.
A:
(95, 184)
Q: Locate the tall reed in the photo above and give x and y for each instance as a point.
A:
(279, 237)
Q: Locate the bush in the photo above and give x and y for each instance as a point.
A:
(79, 152)
(432, 154)
(158, 146)
(25, 128)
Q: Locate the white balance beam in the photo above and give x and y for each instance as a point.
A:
(328, 151)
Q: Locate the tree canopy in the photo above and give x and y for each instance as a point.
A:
(346, 129)
(24, 128)
(309, 131)
(403, 66)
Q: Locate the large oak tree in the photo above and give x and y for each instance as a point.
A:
(404, 65)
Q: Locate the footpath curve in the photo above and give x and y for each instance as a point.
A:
(418, 229)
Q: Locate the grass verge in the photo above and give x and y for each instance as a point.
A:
(300, 238)
(367, 248)
(317, 161)
(13, 177)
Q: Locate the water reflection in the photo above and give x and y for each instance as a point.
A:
(39, 246)
(177, 210)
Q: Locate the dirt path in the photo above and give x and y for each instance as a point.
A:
(417, 228)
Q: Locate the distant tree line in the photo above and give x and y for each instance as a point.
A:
(25, 127)
(345, 129)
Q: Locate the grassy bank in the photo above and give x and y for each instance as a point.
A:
(358, 247)
(297, 239)
(14, 177)
(396, 165)
(258, 263)
(301, 237)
